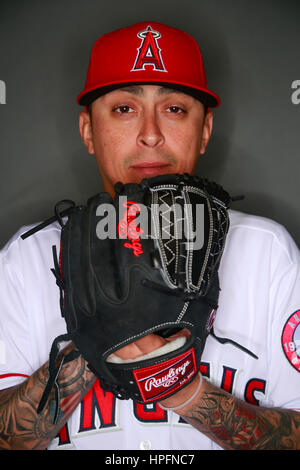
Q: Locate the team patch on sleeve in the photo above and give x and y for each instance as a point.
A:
(290, 339)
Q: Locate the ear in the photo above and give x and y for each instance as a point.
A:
(85, 129)
(206, 131)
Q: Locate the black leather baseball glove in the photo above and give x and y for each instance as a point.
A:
(144, 262)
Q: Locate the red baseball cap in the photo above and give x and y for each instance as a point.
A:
(147, 53)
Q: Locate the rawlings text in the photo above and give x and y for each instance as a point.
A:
(169, 379)
(127, 227)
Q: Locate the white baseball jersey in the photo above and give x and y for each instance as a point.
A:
(259, 307)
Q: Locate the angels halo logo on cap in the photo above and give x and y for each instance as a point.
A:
(149, 51)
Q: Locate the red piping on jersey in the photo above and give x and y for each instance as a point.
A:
(4, 376)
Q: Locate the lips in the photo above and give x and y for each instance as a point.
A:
(150, 168)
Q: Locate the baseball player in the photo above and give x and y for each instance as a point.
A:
(147, 112)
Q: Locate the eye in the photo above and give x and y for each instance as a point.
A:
(175, 109)
(123, 109)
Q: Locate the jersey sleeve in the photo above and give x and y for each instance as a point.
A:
(15, 348)
(284, 332)
(30, 316)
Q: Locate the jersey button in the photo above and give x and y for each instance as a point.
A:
(145, 445)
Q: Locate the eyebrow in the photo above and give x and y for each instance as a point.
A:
(139, 91)
(135, 90)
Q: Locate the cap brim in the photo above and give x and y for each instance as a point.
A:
(207, 97)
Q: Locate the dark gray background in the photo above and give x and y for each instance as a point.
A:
(251, 52)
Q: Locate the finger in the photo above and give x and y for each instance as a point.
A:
(140, 347)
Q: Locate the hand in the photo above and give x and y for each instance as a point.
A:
(147, 344)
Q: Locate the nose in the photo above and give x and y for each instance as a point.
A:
(150, 133)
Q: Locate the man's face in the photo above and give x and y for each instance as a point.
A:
(142, 131)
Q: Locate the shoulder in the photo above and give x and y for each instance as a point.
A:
(260, 233)
(34, 247)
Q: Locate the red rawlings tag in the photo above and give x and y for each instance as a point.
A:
(158, 381)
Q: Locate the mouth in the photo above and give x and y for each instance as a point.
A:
(150, 168)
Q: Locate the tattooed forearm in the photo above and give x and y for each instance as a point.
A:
(20, 425)
(235, 424)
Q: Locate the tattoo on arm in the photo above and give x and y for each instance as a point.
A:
(235, 424)
(20, 425)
